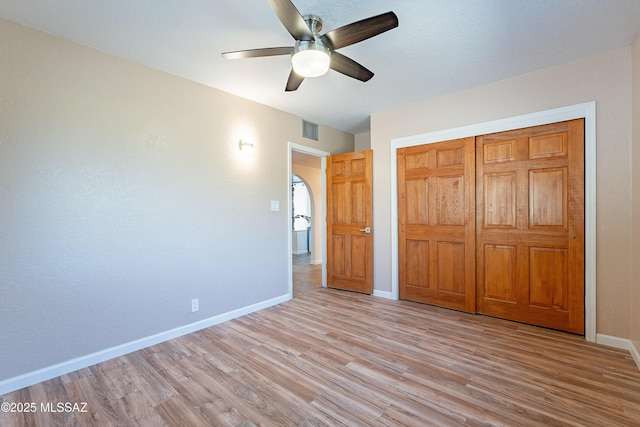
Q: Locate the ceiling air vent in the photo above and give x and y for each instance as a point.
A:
(309, 130)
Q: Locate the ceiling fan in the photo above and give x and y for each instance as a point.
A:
(313, 54)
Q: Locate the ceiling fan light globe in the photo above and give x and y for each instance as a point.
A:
(311, 60)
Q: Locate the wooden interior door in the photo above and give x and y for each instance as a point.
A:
(436, 220)
(350, 221)
(530, 239)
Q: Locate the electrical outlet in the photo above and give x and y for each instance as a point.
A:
(195, 305)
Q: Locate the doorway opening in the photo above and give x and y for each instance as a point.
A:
(307, 228)
(307, 273)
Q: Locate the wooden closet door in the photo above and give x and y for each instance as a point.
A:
(530, 232)
(436, 219)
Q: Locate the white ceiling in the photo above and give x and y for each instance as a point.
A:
(440, 46)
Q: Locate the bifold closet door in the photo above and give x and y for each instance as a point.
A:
(530, 225)
(436, 220)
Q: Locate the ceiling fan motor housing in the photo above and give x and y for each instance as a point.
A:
(310, 58)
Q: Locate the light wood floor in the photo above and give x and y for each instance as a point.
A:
(338, 358)
(307, 277)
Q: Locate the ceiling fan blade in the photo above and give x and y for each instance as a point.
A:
(294, 81)
(349, 67)
(291, 19)
(255, 53)
(361, 30)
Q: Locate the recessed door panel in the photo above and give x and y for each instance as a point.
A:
(550, 145)
(338, 260)
(417, 201)
(451, 201)
(450, 157)
(501, 151)
(548, 279)
(548, 198)
(500, 273)
(416, 263)
(358, 262)
(500, 200)
(451, 267)
(339, 198)
(358, 202)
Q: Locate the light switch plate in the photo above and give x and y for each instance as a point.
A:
(275, 205)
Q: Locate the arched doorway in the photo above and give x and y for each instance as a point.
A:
(306, 275)
(302, 214)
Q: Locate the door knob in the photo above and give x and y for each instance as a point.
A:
(366, 230)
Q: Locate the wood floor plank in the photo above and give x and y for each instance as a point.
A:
(331, 358)
(140, 412)
(178, 411)
(99, 409)
(149, 381)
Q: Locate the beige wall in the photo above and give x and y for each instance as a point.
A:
(605, 79)
(363, 141)
(635, 302)
(123, 195)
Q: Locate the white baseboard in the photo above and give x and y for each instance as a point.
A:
(382, 294)
(621, 343)
(612, 341)
(300, 252)
(635, 353)
(30, 378)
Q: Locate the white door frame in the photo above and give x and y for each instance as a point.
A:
(323, 208)
(588, 112)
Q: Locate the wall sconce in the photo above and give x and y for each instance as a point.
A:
(246, 146)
